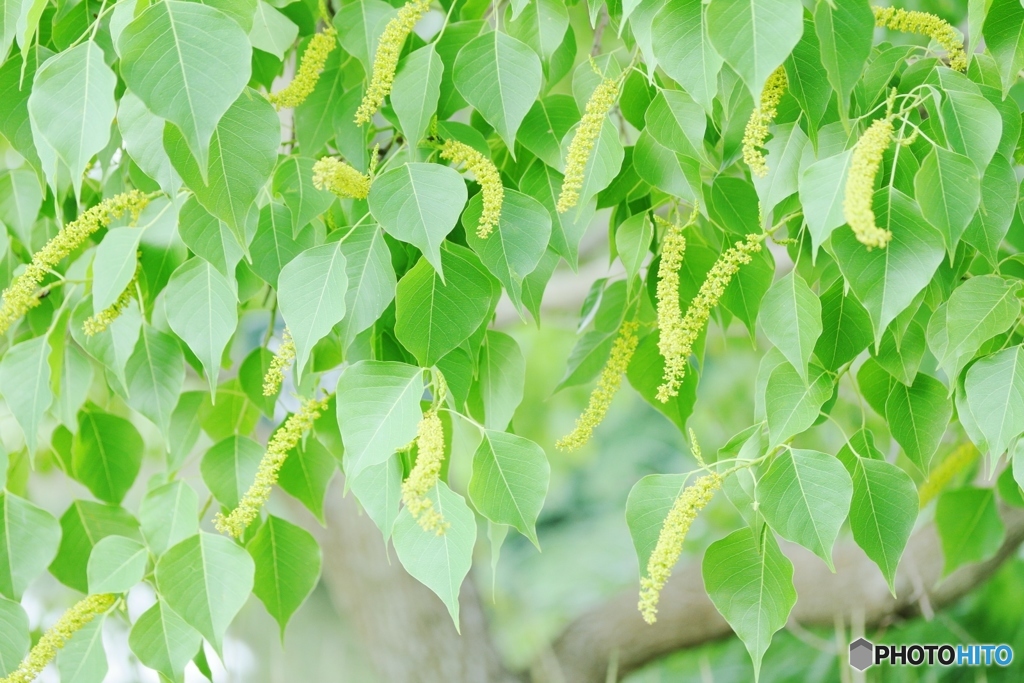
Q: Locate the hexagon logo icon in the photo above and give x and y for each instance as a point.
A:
(862, 654)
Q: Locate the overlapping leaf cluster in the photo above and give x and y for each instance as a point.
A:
(355, 186)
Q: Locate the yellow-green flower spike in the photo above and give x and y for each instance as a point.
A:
(57, 636)
(683, 338)
(600, 103)
(757, 126)
(310, 66)
(688, 504)
(424, 474)
(102, 320)
(282, 359)
(283, 441)
(956, 462)
(670, 315)
(607, 386)
(924, 24)
(860, 184)
(338, 177)
(385, 61)
(20, 296)
(486, 174)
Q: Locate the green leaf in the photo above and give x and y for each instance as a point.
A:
(143, 136)
(206, 579)
(807, 77)
(435, 316)
(918, 416)
(15, 636)
(948, 188)
(793, 406)
(185, 427)
(845, 31)
(541, 25)
(997, 208)
(785, 152)
(846, 328)
(972, 124)
(164, 641)
(977, 310)
(371, 280)
(545, 184)
(116, 564)
(677, 122)
(440, 562)
(71, 108)
(306, 474)
(287, 560)
(883, 510)
(500, 77)
(754, 36)
(647, 506)
(510, 481)
(293, 181)
(378, 488)
(113, 267)
(633, 242)
(20, 199)
(544, 126)
(312, 297)
(165, 60)
(969, 526)
(515, 248)
(419, 204)
(30, 539)
(887, 280)
(805, 496)
(233, 412)
(106, 455)
(416, 90)
(791, 319)
(751, 588)
(679, 37)
(378, 411)
(272, 31)
(83, 525)
(155, 374)
(208, 237)
(229, 468)
(274, 245)
(1004, 39)
(501, 379)
(76, 375)
(359, 25)
(242, 155)
(995, 393)
(744, 294)
(902, 357)
(83, 659)
(822, 187)
(112, 347)
(25, 384)
(202, 310)
(169, 514)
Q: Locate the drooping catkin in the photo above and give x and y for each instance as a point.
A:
(283, 441)
(685, 509)
(925, 24)
(282, 359)
(680, 341)
(670, 315)
(607, 385)
(486, 174)
(338, 177)
(385, 61)
(860, 184)
(310, 66)
(98, 322)
(20, 295)
(425, 473)
(956, 462)
(757, 125)
(583, 141)
(57, 636)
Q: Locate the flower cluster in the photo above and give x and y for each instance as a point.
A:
(338, 177)
(757, 126)
(487, 176)
(607, 385)
(389, 48)
(925, 24)
(102, 320)
(283, 441)
(600, 103)
(313, 59)
(57, 636)
(860, 184)
(275, 373)
(20, 296)
(670, 315)
(424, 474)
(680, 341)
(688, 504)
(956, 462)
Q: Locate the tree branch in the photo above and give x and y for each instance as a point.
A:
(687, 618)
